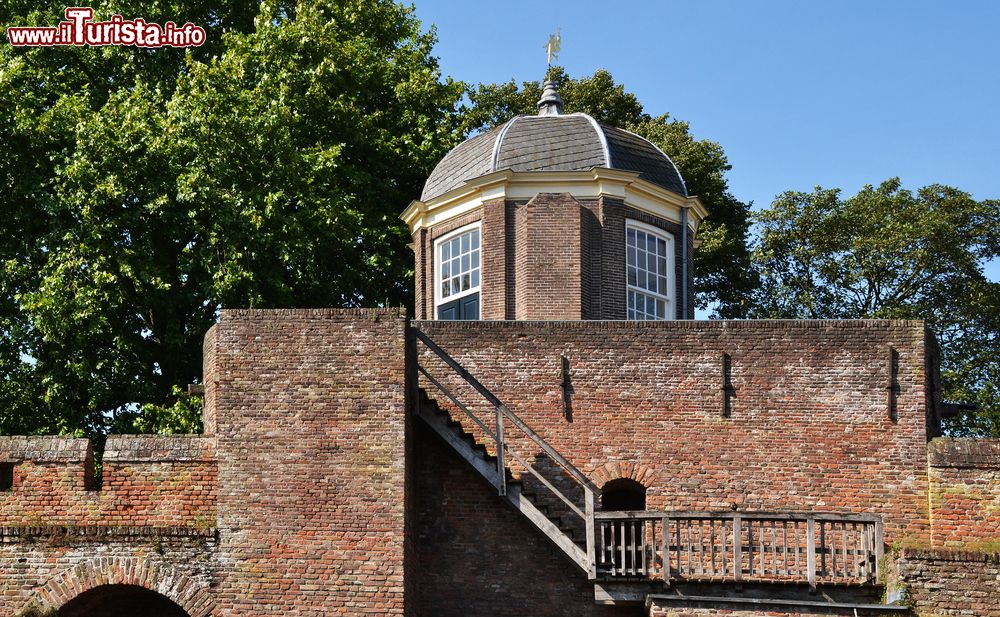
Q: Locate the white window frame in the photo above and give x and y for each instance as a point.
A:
(670, 311)
(436, 274)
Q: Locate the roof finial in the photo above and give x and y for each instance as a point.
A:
(551, 104)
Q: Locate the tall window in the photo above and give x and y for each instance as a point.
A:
(457, 280)
(649, 255)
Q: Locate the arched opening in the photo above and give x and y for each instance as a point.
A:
(623, 494)
(625, 550)
(121, 601)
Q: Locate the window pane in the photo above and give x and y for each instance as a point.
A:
(646, 270)
(460, 263)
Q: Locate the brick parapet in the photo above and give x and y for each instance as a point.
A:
(157, 481)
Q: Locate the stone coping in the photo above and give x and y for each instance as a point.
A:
(948, 452)
(44, 449)
(949, 554)
(160, 448)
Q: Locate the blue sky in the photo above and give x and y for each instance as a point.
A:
(831, 93)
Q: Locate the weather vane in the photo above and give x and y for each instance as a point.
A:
(552, 47)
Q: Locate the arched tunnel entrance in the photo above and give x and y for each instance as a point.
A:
(121, 601)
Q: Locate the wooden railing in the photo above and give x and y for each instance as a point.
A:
(738, 546)
(496, 429)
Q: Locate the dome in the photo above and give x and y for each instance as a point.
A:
(553, 141)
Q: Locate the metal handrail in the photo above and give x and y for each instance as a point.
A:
(496, 403)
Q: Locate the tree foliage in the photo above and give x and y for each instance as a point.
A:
(145, 189)
(892, 253)
(722, 262)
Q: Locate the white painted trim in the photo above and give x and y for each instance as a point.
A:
(604, 140)
(670, 298)
(495, 158)
(436, 266)
(506, 184)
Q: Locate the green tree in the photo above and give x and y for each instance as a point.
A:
(724, 278)
(145, 189)
(892, 253)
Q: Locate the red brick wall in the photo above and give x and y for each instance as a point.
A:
(147, 481)
(965, 492)
(950, 582)
(548, 259)
(808, 428)
(494, 280)
(311, 428)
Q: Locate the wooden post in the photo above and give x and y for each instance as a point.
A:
(811, 552)
(664, 535)
(588, 510)
(879, 548)
(738, 548)
(501, 463)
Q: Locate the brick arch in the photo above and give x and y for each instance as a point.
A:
(616, 470)
(187, 593)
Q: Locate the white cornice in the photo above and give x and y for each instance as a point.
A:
(598, 182)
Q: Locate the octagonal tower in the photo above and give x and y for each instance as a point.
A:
(554, 217)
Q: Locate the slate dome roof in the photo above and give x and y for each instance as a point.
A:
(552, 141)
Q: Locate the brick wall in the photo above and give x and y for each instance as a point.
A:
(808, 427)
(964, 479)
(549, 275)
(311, 430)
(155, 513)
(943, 582)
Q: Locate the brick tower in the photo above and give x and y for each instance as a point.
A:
(554, 217)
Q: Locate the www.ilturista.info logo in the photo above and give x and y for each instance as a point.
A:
(80, 29)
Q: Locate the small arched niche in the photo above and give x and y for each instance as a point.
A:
(121, 601)
(623, 494)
